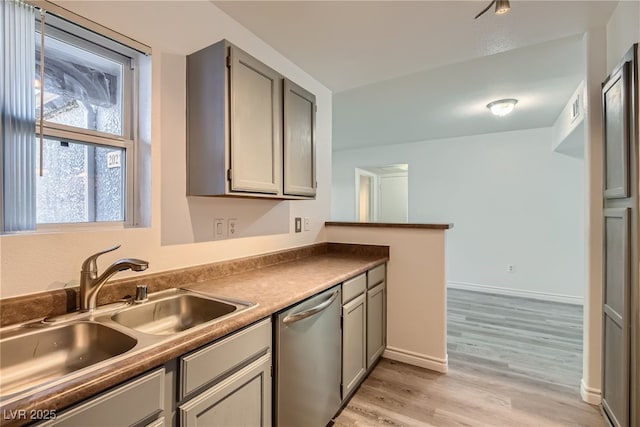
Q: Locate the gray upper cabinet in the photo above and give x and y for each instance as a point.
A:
(256, 117)
(234, 124)
(299, 140)
(615, 101)
(239, 142)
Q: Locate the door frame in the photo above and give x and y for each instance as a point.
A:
(374, 193)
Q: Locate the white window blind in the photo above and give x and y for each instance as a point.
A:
(18, 115)
(69, 117)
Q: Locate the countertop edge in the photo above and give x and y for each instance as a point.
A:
(389, 225)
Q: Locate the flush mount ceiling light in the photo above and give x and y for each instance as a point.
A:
(502, 7)
(502, 107)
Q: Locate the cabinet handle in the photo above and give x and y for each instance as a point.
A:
(308, 313)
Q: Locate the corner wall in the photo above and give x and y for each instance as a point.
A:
(623, 31)
(512, 200)
(178, 236)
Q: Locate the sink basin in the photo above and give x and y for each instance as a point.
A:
(33, 357)
(175, 313)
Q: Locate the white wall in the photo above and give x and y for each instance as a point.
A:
(511, 200)
(177, 237)
(623, 31)
(416, 291)
(594, 43)
(567, 133)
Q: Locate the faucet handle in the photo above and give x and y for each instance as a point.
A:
(90, 264)
(142, 294)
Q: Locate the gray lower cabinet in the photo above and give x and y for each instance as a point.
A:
(137, 402)
(354, 326)
(376, 314)
(376, 324)
(243, 399)
(363, 326)
(160, 422)
(354, 333)
(228, 383)
(225, 383)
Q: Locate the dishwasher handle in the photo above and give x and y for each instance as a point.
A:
(291, 318)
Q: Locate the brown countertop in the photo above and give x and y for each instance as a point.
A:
(273, 287)
(389, 225)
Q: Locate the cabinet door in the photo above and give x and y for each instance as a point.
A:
(299, 141)
(615, 312)
(128, 404)
(243, 399)
(354, 334)
(256, 124)
(615, 112)
(376, 327)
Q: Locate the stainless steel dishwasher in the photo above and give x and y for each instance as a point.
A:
(308, 361)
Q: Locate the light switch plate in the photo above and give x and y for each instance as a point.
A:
(307, 223)
(219, 229)
(298, 224)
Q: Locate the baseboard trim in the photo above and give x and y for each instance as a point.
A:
(567, 299)
(592, 396)
(417, 359)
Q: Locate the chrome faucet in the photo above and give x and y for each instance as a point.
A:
(91, 283)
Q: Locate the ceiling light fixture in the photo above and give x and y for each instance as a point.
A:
(502, 7)
(502, 107)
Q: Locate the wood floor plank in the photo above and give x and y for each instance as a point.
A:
(513, 362)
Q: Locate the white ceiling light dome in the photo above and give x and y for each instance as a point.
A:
(502, 107)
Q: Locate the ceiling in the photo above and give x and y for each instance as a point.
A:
(451, 101)
(416, 70)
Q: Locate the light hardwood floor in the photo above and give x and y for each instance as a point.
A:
(502, 374)
(535, 339)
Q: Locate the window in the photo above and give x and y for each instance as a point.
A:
(80, 168)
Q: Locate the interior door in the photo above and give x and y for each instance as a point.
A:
(394, 198)
(618, 273)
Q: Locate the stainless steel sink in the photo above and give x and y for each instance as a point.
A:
(176, 311)
(30, 357)
(45, 352)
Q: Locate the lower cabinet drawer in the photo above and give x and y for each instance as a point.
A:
(125, 405)
(243, 399)
(216, 360)
(376, 275)
(353, 287)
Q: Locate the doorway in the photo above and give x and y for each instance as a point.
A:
(382, 193)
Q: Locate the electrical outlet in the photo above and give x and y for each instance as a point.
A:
(232, 227)
(298, 224)
(307, 224)
(510, 268)
(219, 229)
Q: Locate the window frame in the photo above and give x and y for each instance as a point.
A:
(75, 35)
